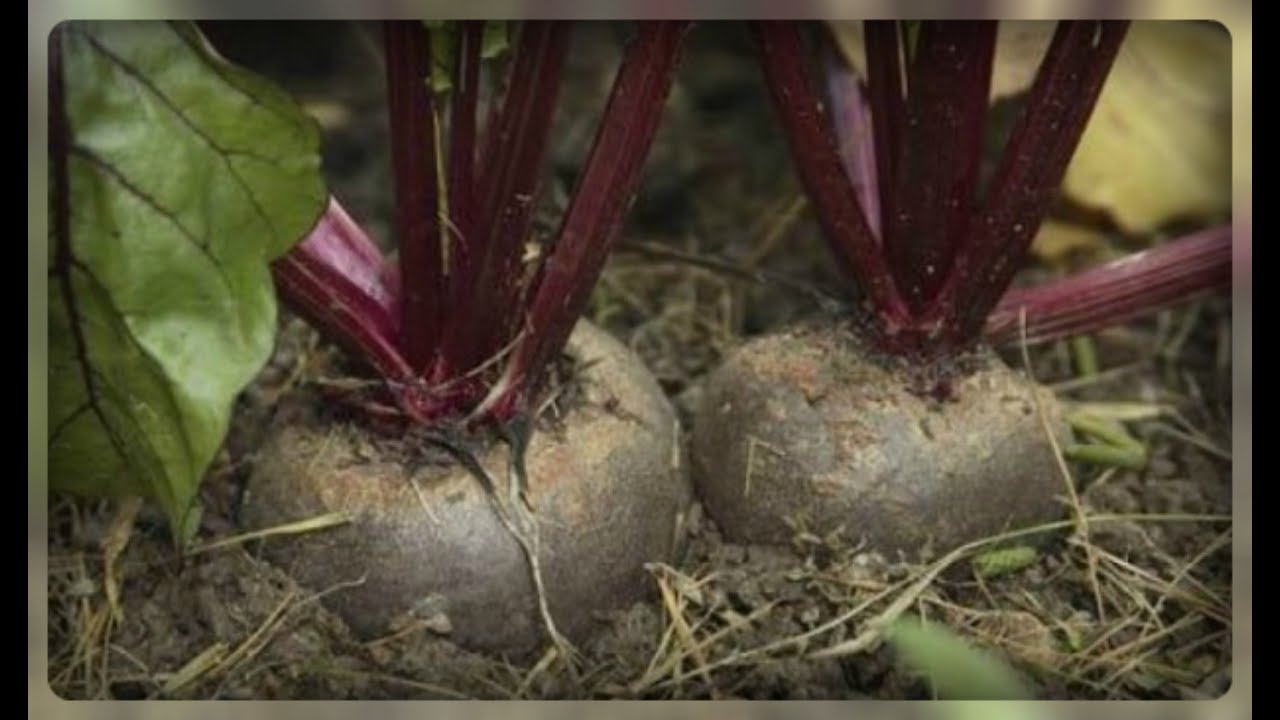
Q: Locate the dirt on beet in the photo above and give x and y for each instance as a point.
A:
(1130, 597)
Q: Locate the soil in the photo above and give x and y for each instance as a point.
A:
(1133, 601)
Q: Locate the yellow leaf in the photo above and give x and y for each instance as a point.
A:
(1158, 147)
(847, 35)
(1019, 47)
(1057, 242)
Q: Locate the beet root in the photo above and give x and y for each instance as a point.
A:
(606, 482)
(808, 426)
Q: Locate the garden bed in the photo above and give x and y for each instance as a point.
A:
(1128, 596)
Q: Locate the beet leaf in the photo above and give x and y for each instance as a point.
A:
(176, 178)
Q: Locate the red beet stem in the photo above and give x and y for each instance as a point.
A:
(335, 279)
(821, 171)
(423, 252)
(1027, 178)
(1118, 291)
(888, 106)
(935, 172)
(605, 190)
(463, 224)
(515, 153)
(851, 111)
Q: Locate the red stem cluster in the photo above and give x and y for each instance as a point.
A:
(942, 255)
(460, 326)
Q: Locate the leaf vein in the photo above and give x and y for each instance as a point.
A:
(133, 189)
(224, 153)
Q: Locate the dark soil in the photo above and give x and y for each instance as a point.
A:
(1123, 607)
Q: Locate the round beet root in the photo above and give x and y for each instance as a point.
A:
(807, 425)
(606, 482)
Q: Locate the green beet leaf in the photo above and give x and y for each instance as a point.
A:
(175, 178)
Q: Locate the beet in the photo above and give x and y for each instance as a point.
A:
(606, 482)
(808, 424)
